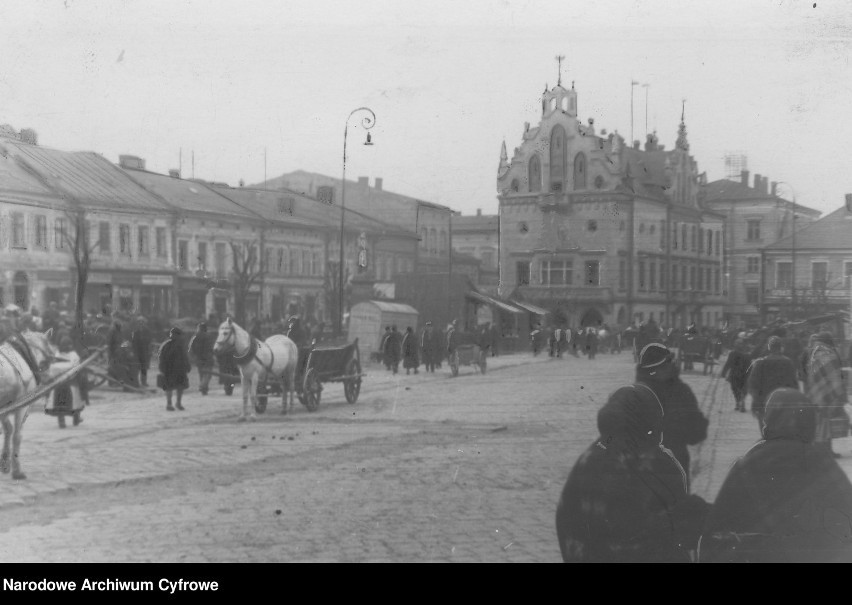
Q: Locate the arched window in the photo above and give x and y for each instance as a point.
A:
(557, 158)
(580, 171)
(535, 173)
(442, 251)
(433, 240)
(423, 236)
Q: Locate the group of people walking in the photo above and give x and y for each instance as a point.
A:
(817, 372)
(430, 347)
(628, 497)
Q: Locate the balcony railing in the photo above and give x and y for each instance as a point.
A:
(573, 293)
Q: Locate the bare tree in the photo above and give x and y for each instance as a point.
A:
(76, 237)
(249, 269)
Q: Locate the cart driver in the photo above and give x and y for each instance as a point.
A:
(296, 332)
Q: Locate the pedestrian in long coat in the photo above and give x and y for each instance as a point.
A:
(683, 422)
(736, 371)
(393, 349)
(786, 500)
(201, 354)
(140, 339)
(591, 342)
(626, 498)
(428, 346)
(825, 387)
(174, 366)
(410, 351)
(768, 373)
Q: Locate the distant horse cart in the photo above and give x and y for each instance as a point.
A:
(468, 355)
(696, 349)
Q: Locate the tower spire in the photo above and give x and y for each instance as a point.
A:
(559, 59)
(681, 142)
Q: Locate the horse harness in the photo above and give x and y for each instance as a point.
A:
(250, 354)
(22, 348)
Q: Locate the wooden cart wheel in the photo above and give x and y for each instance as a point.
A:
(262, 398)
(352, 386)
(312, 390)
(454, 363)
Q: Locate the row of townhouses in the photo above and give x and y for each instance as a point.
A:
(164, 245)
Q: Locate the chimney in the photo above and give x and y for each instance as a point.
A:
(364, 181)
(774, 188)
(757, 185)
(766, 185)
(479, 212)
(378, 184)
(744, 177)
(637, 144)
(131, 161)
(174, 173)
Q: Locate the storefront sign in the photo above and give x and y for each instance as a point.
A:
(57, 276)
(157, 280)
(100, 278)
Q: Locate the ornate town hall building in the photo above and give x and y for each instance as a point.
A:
(597, 231)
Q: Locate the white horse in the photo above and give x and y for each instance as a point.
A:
(276, 357)
(24, 358)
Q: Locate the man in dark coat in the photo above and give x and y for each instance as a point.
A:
(767, 374)
(428, 346)
(410, 351)
(683, 422)
(786, 500)
(140, 338)
(297, 333)
(174, 366)
(626, 498)
(393, 349)
(201, 353)
(736, 371)
(591, 343)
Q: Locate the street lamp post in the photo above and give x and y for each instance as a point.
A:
(367, 122)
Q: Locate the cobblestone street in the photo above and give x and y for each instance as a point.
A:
(423, 468)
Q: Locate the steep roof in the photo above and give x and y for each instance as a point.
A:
(18, 182)
(190, 196)
(265, 203)
(86, 177)
(476, 222)
(831, 232)
(728, 190)
(355, 191)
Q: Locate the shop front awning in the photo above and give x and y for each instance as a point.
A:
(490, 300)
(531, 308)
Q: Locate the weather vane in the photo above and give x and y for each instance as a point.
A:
(559, 59)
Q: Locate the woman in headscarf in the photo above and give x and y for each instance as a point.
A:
(736, 371)
(626, 499)
(786, 500)
(824, 386)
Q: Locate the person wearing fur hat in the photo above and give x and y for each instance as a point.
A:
(767, 373)
(786, 500)
(174, 368)
(626, 499)
(683, 422)
(824, 386)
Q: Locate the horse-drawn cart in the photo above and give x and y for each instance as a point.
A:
(318, 365)
(468, 355)
(695, 349)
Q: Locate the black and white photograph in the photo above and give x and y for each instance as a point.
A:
(497, 281)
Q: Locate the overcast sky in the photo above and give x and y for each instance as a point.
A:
(235, 81)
